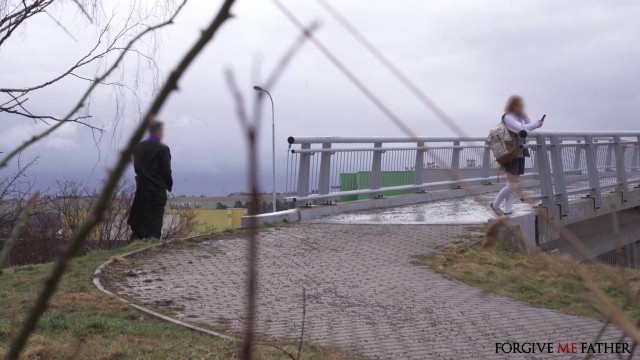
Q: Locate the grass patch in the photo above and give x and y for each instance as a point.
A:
(84, 323)
(502, 270)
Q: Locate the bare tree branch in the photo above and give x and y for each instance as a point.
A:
(250, 130)
(345, 71)
(404, 80)
(86, 59)
(61, 26)
(29, 115)
(19, 341)
(617, 316)
(238, 99)
(304, 316)
(81, 103)
(105, 46)
(290, 53)
(83, 10)
(12, 21)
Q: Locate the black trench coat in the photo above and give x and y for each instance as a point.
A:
(152, 164)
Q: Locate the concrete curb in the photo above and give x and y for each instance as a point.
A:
(525, 224)
(292, 215)
(98, 284)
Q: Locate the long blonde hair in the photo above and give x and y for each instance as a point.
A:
(511, 104)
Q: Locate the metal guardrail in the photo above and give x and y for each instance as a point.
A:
(562, 165)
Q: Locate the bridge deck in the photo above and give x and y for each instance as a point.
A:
(465, 210)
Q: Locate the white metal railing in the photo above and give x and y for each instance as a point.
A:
(562, 164)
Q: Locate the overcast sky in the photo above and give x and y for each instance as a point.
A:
(575, 60)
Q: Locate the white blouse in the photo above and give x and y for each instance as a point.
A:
(514, 124)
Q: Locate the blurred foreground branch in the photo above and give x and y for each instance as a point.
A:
(60, 266)
(250, 128)
(611, 309)
(122, 43)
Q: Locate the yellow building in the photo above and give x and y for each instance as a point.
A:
(177, 223)
(218, 219)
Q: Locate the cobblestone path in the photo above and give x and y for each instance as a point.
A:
(363, 293)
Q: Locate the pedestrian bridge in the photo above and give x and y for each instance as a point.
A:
(356, 285)
(586, 181)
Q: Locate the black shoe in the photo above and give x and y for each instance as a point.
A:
(497, 211)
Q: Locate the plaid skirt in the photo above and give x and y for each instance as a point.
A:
(515, 167)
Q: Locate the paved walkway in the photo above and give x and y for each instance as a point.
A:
(363, 293)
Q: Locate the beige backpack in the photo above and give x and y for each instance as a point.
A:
(502, 144)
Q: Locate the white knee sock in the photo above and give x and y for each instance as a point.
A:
(509, 201)
(505, 193)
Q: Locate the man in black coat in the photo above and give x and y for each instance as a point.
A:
(152, 164)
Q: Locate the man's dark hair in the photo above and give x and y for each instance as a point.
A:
(155, 126)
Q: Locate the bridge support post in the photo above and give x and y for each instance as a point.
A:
(455, 163)
(577, 155)
(560, 194)
(534, 160)
(609, 158)
(546, 188)
(631, 255)
(303, 171)
(486, 164)
(621, 171)
(635, 159)
(419, 166)
(592, 171)
(376, 166)
(324, 182)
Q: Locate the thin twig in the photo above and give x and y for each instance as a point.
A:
(345, 71)
(37, 7)
(404, 80)
(61, 26)
(553, 223)
(80, 104)
(29, 115)
(250, 130)
(283, 350)
(304, 316)
(598, 336)
(633, 350)
(83, 10)
(612, 310)
(60, 266)
(290, 53)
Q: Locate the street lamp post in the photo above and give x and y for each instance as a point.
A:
(273, 148)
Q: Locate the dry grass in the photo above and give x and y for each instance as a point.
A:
(83, 323)
(505, 271)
